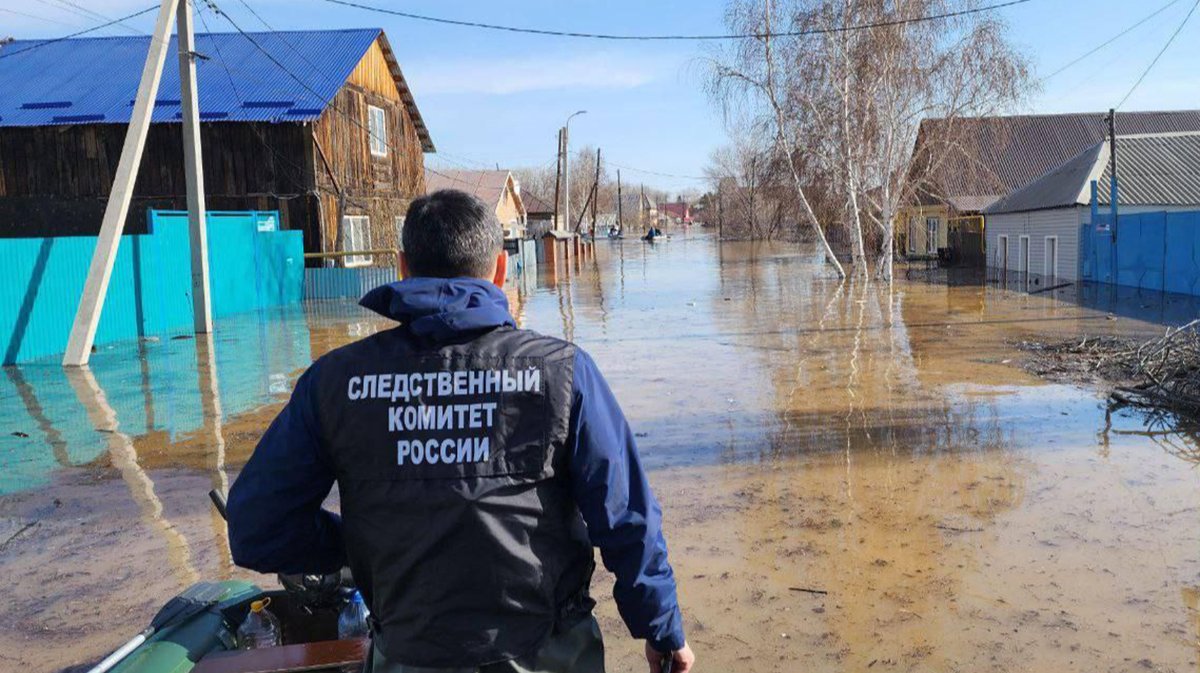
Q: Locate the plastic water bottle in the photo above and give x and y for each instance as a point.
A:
(352, 623)
(260, 629)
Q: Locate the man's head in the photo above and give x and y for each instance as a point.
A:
(451, 234)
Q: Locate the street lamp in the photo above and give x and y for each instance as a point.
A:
(567, 163)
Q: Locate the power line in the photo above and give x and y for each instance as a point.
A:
(304, 56)
(1159, 55)
(212, 5)
(92, 15)
(69, 10)
(665, 175)
(39, 45)
(35, 16)
(1114, 38)
(237, 96)
(661, 38)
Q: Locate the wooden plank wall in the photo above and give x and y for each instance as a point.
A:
(355, 182)
(55, 180)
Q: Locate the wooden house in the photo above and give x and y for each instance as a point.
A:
(499, 189)
(319, 125)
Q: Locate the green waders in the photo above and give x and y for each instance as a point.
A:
(579, 649)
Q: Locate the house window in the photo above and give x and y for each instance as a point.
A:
(377, 127)
(400, 233)
(932, 224)
(356, 236)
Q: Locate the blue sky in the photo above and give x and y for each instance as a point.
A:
(496, 98)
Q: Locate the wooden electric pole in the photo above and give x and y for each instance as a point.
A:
(642, 207)
(595, 192)
(720, 213)
(558, 171)
(620, 221)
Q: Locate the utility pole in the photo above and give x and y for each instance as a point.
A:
(91, 302)
(567, 162)
(642, 206)
(558, 167)
(595, 193)
(193, 169)
(620, 221)
(1112, 167)
(720, 213)
(753, 186)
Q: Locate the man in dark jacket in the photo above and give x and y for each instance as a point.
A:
(476, 463)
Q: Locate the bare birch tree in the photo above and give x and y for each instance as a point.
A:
(844, 105)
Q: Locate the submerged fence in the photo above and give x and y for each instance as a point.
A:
(252, 265)
(1151, 251)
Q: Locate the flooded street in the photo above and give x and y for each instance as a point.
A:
(853, 477)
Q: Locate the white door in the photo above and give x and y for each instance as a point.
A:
(1023, 258)
(1002, 252)
(1051, 263)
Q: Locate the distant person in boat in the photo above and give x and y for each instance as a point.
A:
(477, 465)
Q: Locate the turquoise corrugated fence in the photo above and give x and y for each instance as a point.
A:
(252, 265)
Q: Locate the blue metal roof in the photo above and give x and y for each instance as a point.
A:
(94, 80)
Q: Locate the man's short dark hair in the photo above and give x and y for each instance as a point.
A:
(451, 234)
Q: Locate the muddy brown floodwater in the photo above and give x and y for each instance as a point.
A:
(854, 477)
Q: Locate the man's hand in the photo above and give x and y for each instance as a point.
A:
(682, 661)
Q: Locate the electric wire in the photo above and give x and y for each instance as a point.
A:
(1114, 38)
(35, 16)
(315, 68)
(90, 14)
(220, 57)
(1159, 55)
(69, 10)
(326, 102)
(38, 45)
(660, 174)
(662, 38)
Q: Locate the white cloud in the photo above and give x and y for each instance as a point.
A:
(519, 75)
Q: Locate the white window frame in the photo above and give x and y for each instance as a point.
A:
(399, 222)
(1002, 250)
(1023, 254)
(1049, 265)
(377, 130)
(933, 226)
(356, 235)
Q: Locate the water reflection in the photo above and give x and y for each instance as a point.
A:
(210, 401)
(880, 443)
(124, 457)
(875, 442)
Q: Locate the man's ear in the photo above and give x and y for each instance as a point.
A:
(501, 269)
(403, 266)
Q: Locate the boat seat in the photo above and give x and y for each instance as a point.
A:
(328, 654)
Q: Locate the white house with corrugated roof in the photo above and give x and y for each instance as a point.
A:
(1034, 231)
